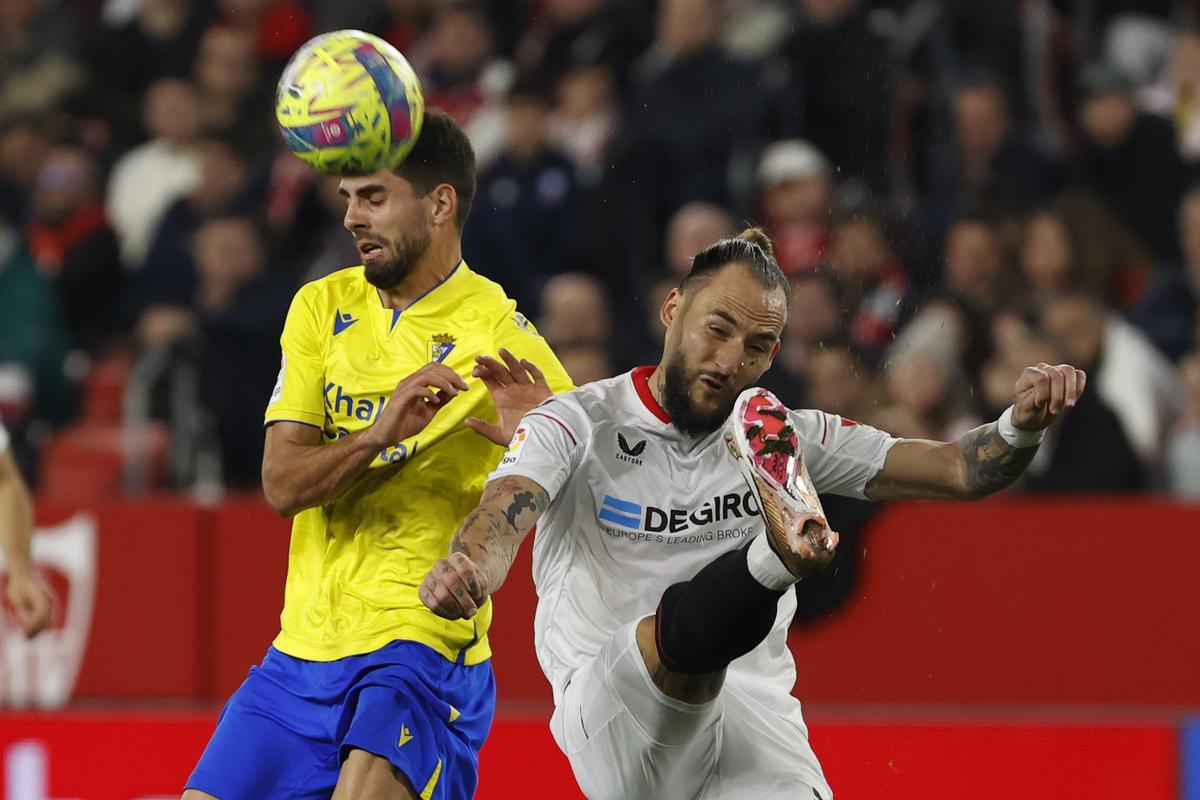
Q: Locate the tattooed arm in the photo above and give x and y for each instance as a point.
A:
(483, 549)
(982, 461)
(979, 463)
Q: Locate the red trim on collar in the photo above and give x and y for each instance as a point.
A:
(641, 382)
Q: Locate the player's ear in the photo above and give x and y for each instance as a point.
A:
(671, 306)
(445, 204)
(774, 352)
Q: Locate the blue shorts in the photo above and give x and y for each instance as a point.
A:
(287, 729)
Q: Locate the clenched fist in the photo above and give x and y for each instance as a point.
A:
(1044, 393)
(455, 587)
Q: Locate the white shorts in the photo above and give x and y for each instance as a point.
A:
(627, 740)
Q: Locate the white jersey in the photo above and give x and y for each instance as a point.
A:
(637, 506)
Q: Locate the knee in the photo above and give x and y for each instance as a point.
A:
(693, 638)
(196, 794)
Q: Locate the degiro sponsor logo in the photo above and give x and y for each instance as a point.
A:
(653, 519)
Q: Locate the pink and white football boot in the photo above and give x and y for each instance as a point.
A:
(761, 438)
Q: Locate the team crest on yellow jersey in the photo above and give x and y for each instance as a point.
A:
(440, 347)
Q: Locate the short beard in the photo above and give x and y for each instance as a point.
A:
(388, 273)
(677, 402)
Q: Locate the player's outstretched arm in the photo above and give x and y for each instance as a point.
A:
(484, 547)
(989, 457)
(300, 472)
(27, 595)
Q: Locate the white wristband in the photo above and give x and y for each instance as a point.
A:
(1015, 436)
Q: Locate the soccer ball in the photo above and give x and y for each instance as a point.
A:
(349, 104)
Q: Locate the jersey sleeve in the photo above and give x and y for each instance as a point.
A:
(3, 438)
(545, 447)
(516, 334)
(842, 455)
(298, 395)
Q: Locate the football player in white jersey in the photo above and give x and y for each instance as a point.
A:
(663, 592)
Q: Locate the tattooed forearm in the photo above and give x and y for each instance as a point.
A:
(990, 462)
(492, 533)
(520, 502)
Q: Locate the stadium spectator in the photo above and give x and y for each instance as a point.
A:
(151, 176)
(585, 118)
(1075, 244)
(682, 128)
(160, 39)
(813, 323)
(33, 338)
(330, 249)
(23, 145)
(574, 312)
(795, 193)
(1183, 451)
(461, 75)
(232, 102)
(279, 27)
(39, 56)
(926, 389)
(1174, 92)
(225, 185)
(525, 226)
(567, 33)
(1130, 159)
(974, 265)
(690, 230)
(876, 293)
(1124, 370)
(839, 379)
(1090, 451)
(73, 245)
(844, 101)
(991, 156)
(1170, 309)
(234, 320)
(586, 362)
(403, 24)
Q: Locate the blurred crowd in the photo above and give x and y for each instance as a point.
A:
(956, 190)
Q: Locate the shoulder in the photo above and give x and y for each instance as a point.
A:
(487, 296)
(584, 406)
(818, 427)
(335, 287)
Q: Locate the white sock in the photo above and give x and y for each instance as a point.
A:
(765, 567)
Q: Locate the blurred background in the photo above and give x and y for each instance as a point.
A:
(955, 189)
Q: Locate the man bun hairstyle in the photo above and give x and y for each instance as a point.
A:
(442, 154)
(752, 248)
(759, 237)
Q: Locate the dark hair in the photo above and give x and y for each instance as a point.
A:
(752, 248)
(442, 154)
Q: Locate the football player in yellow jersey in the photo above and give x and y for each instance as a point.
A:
(379, 442)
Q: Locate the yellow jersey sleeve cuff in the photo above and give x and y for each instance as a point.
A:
(276, 414)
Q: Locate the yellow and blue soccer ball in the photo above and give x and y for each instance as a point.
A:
(349, 104)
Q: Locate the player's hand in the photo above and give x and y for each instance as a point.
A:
(415, 401)
(517, 385)
(455, 588)
(1044, 393)
(31, 602)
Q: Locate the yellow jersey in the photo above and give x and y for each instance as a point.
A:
(355, 564)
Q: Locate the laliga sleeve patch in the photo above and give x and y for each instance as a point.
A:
(277, 392)
(515, 447)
